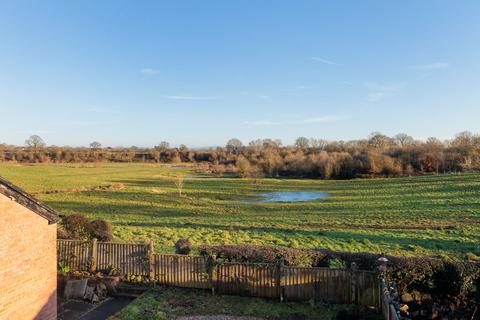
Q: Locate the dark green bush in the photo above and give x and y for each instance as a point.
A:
(455, 280)
(413, 273)
(183, 246)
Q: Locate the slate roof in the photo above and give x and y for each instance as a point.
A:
(27, 200)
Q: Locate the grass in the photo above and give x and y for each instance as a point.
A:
(174, 302)
(436, 215)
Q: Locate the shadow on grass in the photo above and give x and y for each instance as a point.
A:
(406, 242)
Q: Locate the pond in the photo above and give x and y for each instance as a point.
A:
(293, 196)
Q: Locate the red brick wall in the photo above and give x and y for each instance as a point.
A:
(28, 264)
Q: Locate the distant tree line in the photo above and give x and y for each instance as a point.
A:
(376, 156)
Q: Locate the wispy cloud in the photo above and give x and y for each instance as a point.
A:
(262, 96)
(430, 66)
(323, 119)
(325, 61)
(378, 91)
(102, 110)
(262, 123)
(86, 123)
(309, 120)
(303, 87)
(149, 71)
(182, 97)
(30, 132)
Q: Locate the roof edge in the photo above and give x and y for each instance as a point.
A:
(28, 201)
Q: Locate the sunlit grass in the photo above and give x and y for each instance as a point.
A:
(428, 215)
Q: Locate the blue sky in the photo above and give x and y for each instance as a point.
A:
(201, 72)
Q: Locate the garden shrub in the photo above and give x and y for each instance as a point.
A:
(456, 280)
(61, 233)
(183, 246)
(336, 263)
(360, 260)
(101, 230)
(77, 226)
(263, 254)
(413, 273)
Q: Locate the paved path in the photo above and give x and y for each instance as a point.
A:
(80, 310)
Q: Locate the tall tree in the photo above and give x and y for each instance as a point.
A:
(380, 141)
(234, 145)
(35, 142)
(318, 144)
(95, 145)
(403, 140)
(302, 143)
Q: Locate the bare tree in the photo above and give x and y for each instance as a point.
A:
(318, 144)
(179, 182)
(379, 141)
(95, 145)
(164, 145)
(234, 145)
(35, 142)
(403, 140)
(302, 143)
(271, 143)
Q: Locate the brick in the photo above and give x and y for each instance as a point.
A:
(28, 270)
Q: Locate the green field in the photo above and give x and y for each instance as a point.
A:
(428, 215)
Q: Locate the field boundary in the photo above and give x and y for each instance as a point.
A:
(286, 283)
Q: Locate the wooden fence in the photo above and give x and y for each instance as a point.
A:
(181, 271)
(74, 254)
(388, 309)
(257, 280)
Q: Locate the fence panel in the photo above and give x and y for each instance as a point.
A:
(124, 257)
(257, 280)
(367, 289)
(331, 285)
(181, 271)
(74, 254)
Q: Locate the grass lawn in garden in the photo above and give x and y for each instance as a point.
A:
(173, 303)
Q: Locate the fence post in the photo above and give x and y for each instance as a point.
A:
(211, 266)
(151, 262)
(353, 286)
(278, 279)
(93, 257)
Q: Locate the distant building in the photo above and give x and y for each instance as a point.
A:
(28, 258)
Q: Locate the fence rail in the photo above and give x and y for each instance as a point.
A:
(247, 279)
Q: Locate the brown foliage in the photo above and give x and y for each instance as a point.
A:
(77, 226)
(377, 156)
(183, 246)
(101, 230)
